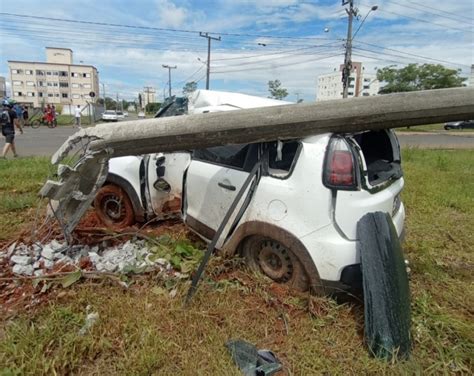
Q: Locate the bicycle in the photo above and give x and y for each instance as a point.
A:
(41, 121)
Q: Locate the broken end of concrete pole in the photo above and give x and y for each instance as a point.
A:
(75, 190)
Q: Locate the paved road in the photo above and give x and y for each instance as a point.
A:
(438, 140)
(44, 141)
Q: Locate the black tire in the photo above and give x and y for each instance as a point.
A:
(35, 123)
(273, 259)
(113, 207)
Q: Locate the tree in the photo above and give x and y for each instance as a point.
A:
(152, 107)
(276, 91)
(415, 77)
(189, 88)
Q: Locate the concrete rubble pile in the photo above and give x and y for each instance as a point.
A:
(41, 259)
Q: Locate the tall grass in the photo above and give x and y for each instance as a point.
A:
(143, 330)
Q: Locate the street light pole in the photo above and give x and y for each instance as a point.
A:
(206, 35)
(346, 71)
(169, 67)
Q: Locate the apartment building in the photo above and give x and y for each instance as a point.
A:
(148, 95)
(361, 84)
(3, 87)
(56, 81)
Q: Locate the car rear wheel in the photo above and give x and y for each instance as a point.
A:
(113, 207)
(276, 261)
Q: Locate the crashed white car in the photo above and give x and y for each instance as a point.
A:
(298, 226)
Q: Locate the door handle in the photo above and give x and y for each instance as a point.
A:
(226, 186)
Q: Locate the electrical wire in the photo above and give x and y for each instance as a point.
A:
(441, 11)
(157, 28)
(422, 20)
(277, 66)
(426, 58)
(449, 17)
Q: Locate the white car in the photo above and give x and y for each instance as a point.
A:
(125, 113)
(120, 115)
(299, 226)
(109, 115)
(141, 114)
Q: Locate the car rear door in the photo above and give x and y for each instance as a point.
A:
(381, 182)
(213, 180)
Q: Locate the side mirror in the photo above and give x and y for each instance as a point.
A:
(160, 160)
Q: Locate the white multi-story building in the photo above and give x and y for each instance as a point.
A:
(361, 84)
(148, 95)
(56, 81)
(3, 87)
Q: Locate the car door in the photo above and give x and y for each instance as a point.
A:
(213, 180)
(165, 182)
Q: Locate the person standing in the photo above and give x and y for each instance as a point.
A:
(25, 115)
(8, 130)
(77, 116)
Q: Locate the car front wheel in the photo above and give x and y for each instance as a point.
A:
(276, 261)
(113, 207)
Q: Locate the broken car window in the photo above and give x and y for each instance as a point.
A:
(281, 157)
(229, 155)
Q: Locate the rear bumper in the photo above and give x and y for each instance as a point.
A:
(351, 277)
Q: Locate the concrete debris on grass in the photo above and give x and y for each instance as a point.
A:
(129, 257)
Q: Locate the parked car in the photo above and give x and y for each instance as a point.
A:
(125, 113)
(463, 124)
(141, 114)
(109, 115)
(120, 115)
(299, 227)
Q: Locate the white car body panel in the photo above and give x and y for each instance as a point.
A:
(129, 169)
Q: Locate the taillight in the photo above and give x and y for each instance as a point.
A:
(339, 167)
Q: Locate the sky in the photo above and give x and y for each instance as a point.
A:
(289, 40)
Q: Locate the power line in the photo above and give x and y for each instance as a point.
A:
(439, 10)
(454, 18)
(422, 20)
(279, 65)
(239, 64)
(157, 28)
(413, 55)
(275, 53)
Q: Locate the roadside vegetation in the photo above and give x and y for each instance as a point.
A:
(144, 329)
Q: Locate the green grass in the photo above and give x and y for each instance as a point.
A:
(20, 181)
(142, 330)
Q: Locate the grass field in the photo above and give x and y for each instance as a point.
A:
(142, 330)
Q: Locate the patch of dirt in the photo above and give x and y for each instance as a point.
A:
(18, 294)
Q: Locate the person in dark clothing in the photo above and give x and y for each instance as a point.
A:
(25, 115)
(8, 131)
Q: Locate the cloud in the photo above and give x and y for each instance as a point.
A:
(171, 15)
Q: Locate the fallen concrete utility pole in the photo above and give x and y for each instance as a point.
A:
(77, 185)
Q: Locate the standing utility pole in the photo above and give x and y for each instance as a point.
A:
(169, 67)
(206, 35)
(346, 71)
(105, 102)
